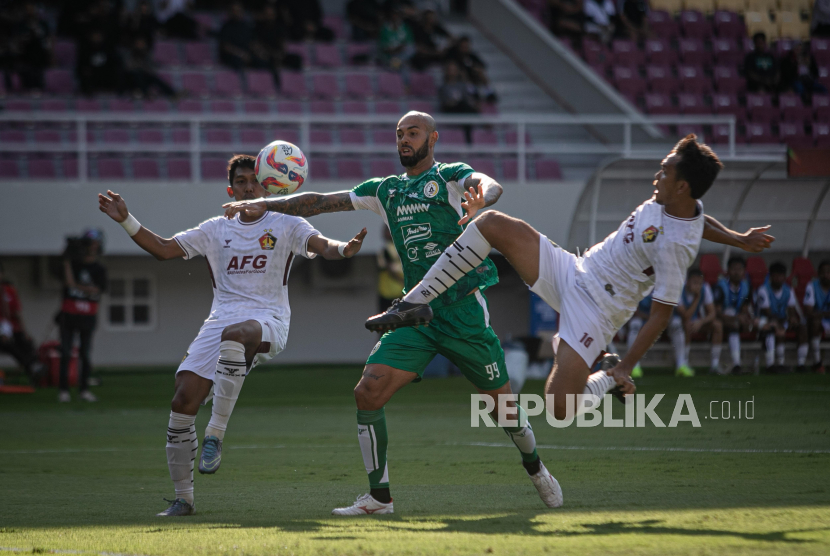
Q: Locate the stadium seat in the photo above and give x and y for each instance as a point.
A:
(248, 136)
(336, 24)
(59, 81)
(207, 23)
(386, 136)
(321, 136)
(510, 168)
(110, 168)
(792, 134)
(784, 46)
(64, 52)
(289, 107)
(662, 24)
(720, 134)
(218, 136)
(349, 168)
(178, 169)
(626, 52)
(355, 107)
(702, 6)
(511, 137)
(9, 169)
(352, 136)
(736, 6)
(760, 109)
(150, 136)
(485, 166)
(726, 51)
(657, 103)
(325, 86)
(686, 129)
(54, 105)
(255, 107)
(422, 84)
(115, 136)
(710, 267)
(802, 272)
(190, 106)
(319, 168)
(157, 106)
(793, 109)
(824, 74)
(627, 80)
(358, 86)
(693, 80)
(690, 103)
(222, 107)
(122, 105)
(198, 53)
(452, 136)
(728, 25)
(43, 136)
(166, 53)
(595, 52)
(548, 169)
(390, 85)
(260, 83)
(420, 106)
(670, 6)
(228, 83)
(759, 133)
(292, 84)
(383, 167)
(485, 137)
(285, 134)
(659, 51)
(359, 53)
(821, 105)
(180, 135)
(327, 55)
(146, 169)
(820, 48)
(756, 271)
(18, 106)
(695, 25)
(298, 48)
(794, 30)
(195, 84)
(692, 52)
(727, 80)
(41, 168)
(322, 107)
(821, 134)
(214, 168)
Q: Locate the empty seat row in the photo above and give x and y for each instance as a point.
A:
(793, 134)
(757, 107)
(739, 6)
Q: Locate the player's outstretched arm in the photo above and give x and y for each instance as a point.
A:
(304, 204)
(333, 250)
(753, 240)
(159, 247)
(482, 191)
(657, 321)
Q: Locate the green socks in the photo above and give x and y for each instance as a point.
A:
(371, 433)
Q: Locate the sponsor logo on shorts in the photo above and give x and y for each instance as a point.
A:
(432, 250)
(650, 234)
(431, 189)
(416, 232)
(374, 349)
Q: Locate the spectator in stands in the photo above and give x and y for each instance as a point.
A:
(32, 41)
(799, 73)
(142, 24)
(633, 21)
(13, 337)
(175, 20)
(820, 24)
(396, 44)
(697, 311)
(304, 21)
(364, 17)
(817, 310)
(235, 39)
(600, 19)
(761, 67)
(462, 54)
(268, 44)
(457, 95)
(779, 315)
(484, 91)
(84, 280)
(734, 307)
(566, 19)
(431, 41)
(633, 328)
(99, 65)
(140, 77)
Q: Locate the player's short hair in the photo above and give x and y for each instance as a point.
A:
(694, 271)
(736, 260)
(240, 160)
(821, 265)
(777, 268)
(698, 165)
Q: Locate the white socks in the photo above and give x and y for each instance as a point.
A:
(802, 354)
(231, 370)
(779, 352)
(735, 347)
(465, 254)
(181, 453)
(598, 385)
(678, 341)
(769, 343)
(716, 355)
(816, 344)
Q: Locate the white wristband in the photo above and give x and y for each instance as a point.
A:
(341, 249)
(131, 225)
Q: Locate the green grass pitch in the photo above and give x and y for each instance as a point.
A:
(89, 478)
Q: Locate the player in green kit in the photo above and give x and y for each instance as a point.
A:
(425, 209)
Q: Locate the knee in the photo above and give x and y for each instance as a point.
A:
(234, 333)
(184, 403)
(490, 219)
(365, 398)
(717, 326)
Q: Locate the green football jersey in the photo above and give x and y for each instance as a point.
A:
(422, 213)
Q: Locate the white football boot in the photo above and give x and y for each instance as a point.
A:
(366, 505)
(549, 490)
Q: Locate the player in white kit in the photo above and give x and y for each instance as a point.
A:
(598, 292)
(249, 261)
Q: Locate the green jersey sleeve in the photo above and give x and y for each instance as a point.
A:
(455, 171)
(365, 196)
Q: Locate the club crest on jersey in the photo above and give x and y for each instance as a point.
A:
(431, 189)
(267, 242)
(650, 234)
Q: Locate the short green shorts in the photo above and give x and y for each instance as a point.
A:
(461, 332)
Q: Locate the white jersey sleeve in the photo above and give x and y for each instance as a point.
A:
(763, 298)
(300, 232)
(810, 296)
(196, 241)
(670, 262)
(708, 297)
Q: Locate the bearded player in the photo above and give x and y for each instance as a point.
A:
(249, 260)
(424, 209)
(597, 293)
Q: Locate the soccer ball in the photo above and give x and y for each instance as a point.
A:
(281, 168)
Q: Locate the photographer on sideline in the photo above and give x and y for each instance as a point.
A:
(84, 280)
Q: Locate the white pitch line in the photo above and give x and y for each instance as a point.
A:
(116, 450)
(647, 449)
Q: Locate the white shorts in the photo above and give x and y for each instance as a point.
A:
(203, 352)
(582, 325)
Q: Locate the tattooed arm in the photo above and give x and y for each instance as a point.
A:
(305, 204)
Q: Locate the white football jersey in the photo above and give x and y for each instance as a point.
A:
(249, 262)
(649, 253)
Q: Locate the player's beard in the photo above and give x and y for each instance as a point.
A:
(418, 156)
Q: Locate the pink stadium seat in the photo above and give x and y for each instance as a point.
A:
(756, 271)
(383, 167)
(359, 53)
(64, 52)
(693, 80)
(321, 137)
(420, 106)
(41, 168)
(820, 48)
(146, 169)
(596, 53)
(122, 105)
(662, 24)
(485, 166)
(824, 74)
(355, 107)
(386, 136)
(695, 24)
(290, 107)
(88, 105)
(690, 103)
(510, 168)
(298, 48)
(327, 55)
(222, 107)
(207, 23)
(485, 137)
(150, 136)
(821, 134)
(157, 106)
(548, 169)
(178, 169)
(335, 23)
(9, 169)
(685, 129)
(821, 105)
(390, 85)
(661, 80)
(349, 168)
(726, 51)
(218, 136)
(111, 168)
(319, 168)
(792, 109)
(352, 136)
(228, 83)
(260, 83)
(626, 52)
(322, 107)
(451, 136)
(166, 53)
(601, 70)
(720, 134)
(214, 169)
(47, 136)
(659, 104)
(70, 168)
(13, 136)
(248, 136)
(727, 79)
(792, 134)
(325, 86)
(118, 136)
(73, 136)
(784, 47)
(195, 84)
(198, 53)
(59, 81)
(256, 107)
(358, 85)
(387, 107)
(180, 135)
(293, 84)
(760, 109)
(18, 106)
(659, 51)
(728, 25)
(190, 106)
(512, 137)
(627, 80)
(759, 133)
(54, 105)
(692, 52)
(422, 84)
